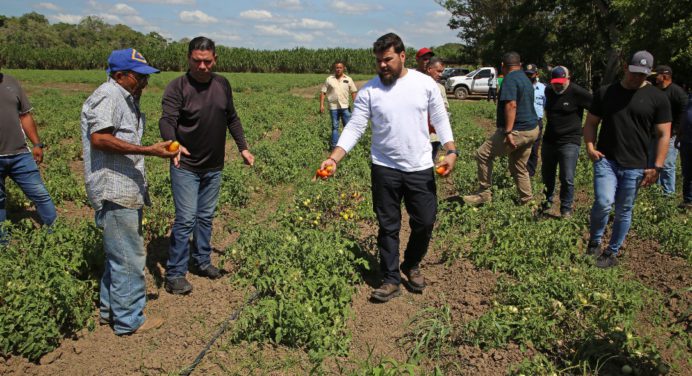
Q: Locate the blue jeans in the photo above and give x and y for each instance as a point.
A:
(122, 295)
(667, 177)
(345, 115)
(686, 164)
(23, 170)
(565, 156)
(195, 195)
(613, 185)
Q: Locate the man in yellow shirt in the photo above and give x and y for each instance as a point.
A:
(337, 88)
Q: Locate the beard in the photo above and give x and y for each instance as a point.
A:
(391, 79)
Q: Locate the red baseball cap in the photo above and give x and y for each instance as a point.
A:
(424, 51)
(559, 75)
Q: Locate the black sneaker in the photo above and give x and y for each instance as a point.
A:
(211, 272)
(386, 292)
(607, 260)
(178, 286)
(593, 249)
(567, 214)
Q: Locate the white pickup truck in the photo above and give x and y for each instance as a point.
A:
(475, 82)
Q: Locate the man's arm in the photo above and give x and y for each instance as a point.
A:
(104, 140)
(235, 127)
(322, 95)
(29, 127)
(663, 139)
(510, 116)
(351, 133)
(589, 131)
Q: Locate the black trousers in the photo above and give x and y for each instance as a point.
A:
(417, 189)
(532, 163)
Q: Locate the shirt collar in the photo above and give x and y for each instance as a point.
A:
(126, 94)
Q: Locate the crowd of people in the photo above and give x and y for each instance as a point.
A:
(408, 114)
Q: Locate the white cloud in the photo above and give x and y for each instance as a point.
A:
(47, 6)
(110, 18)
(197, 17)
(289, 4)
(272, 30)
(309, 23)
(303, 38)
(66, 18)
(256, 14)
(353, 8)
(123, 9)
(222, 36)
(166, 2)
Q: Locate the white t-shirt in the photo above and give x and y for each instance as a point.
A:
(399, 115)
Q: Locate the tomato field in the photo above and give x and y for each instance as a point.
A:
(511, 292)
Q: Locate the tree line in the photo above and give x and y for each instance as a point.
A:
(593, 39)
(31, 42)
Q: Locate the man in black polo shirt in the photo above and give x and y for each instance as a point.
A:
(197, 110)
(565, 104)
(678, 102)
(632, 112)
(517, 130)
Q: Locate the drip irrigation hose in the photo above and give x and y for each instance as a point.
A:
(234, 315)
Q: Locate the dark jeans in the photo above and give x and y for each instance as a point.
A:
(492, 94)
(686, 162)
(195, 195)
(345, 115)
(417, 189)
(565, 156)
(532, 163)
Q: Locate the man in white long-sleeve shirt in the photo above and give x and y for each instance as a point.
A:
(398, 102)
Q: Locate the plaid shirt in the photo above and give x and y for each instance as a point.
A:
(113, 177)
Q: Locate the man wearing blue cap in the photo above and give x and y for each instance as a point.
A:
(112, 128)
(634, 114)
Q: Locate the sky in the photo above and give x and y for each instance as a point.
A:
(262, 24)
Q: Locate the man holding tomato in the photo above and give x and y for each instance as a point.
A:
(398, 102)
(197, 111)
(112, 128)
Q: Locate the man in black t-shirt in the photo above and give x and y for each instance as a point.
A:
(198, 109)
(632, 111)
(678, 101)
(517, 130)
(564, 107)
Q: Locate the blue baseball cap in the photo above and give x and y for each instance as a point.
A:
(129, 60)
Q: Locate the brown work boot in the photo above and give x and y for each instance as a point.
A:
(386, 292)
(150, 323)
(477, 199)
(415, 279)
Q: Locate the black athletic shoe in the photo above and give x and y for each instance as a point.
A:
(593, 249)
(178, 286)
(607, 260)
(211, 272)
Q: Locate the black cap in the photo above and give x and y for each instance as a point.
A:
(664, 69)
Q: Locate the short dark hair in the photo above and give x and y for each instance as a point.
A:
(511, 58)
(338, 62)
(202, 44)
(388, 41)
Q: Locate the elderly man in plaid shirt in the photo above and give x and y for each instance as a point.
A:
(112, 127)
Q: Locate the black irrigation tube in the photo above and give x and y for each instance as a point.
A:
(187, 371)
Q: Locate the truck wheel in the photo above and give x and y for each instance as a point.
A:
(461, 92)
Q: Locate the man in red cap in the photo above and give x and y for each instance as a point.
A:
(422, 57)
(564, 107)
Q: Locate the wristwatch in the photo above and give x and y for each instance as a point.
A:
(658, 169)
(453, 151)
(507, 132)
(40, 144)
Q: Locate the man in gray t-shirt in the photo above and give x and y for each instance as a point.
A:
(16, 159)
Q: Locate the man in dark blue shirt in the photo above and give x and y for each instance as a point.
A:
(516, 132)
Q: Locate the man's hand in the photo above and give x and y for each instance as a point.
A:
(248, 158)
(650, 177)
(594, 154)
(447, 162)
(321, 108)
(160, 149)
(509, 140)
(38, 154)
(181, 150)
(330, 165)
